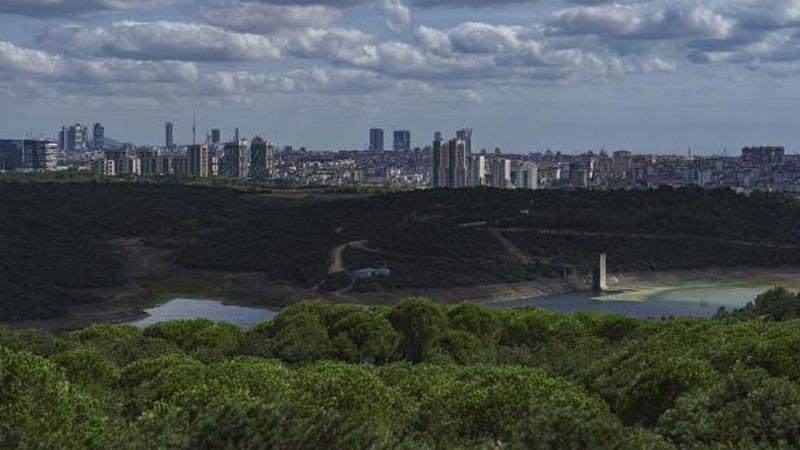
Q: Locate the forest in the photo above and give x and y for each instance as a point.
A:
(418, 375)
(56, 232)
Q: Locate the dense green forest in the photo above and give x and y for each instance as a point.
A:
(419, 375)
(55, 234)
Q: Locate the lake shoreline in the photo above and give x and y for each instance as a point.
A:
(132, 309)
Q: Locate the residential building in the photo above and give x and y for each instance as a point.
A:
(477, 170)
(525, 175)
(501, 173)
(198, 161)
(262, 155)
(235, 160)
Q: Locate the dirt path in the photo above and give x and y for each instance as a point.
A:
(337, 256)
(513, 251)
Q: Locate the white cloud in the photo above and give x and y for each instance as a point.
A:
(159, 41)
(43, 66)
(398, 16)
(474, 37)
(67, 8)
(265, 18)
(641, 21)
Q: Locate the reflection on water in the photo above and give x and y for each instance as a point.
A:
(184, 308)
(695, 301)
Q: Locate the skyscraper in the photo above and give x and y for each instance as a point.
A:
(441, 161)
(169, 141)
(41, 154)
(402, 141)
(262, 155)
(466, 136)
(458, 170)
(216, 136)
(98, 137)
(376, 140)
(501, 173)
(72, 138)
(526, 175)
(235, 159)
(198, 160)
(450, 163)
(477, 170)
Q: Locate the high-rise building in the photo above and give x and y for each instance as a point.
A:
(477, 170)
(526, 175)
(216, 136)
(235, 161)
(98, 137)
(458, 170)
(501, 173)
(466, 136)
(41, 154)
(72, 138)
(12, 156)
(169, 140)
(402, 141)
(441, 161)
(104, 167)
(376, 140)
(579, 176)
(262, 155)
(450, 163)
(764, 155)
(198, 161)
(151, 162)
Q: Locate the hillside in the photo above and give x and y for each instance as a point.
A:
(59, 240)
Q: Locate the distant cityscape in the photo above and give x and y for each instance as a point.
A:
(443, 163)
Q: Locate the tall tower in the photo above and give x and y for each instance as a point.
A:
(98, 138)
(376, 140)
(402, 141)
(262, 155)
(168, 135)
(441, 161)
(198, 157)
(599, 283)
(466, 136)
(235, 159)
(194, 129)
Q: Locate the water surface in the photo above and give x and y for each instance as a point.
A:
(691, 300)
(697, 300)
(185, 308)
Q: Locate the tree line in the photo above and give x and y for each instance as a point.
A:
(416, 375)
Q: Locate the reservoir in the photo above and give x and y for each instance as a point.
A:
(186, 308)
(692, 300)
(701, 300)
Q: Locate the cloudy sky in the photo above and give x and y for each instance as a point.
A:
(648, 75)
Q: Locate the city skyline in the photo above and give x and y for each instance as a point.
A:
(418, 140)
(570, 75)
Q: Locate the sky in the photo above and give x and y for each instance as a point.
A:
(656, 76)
